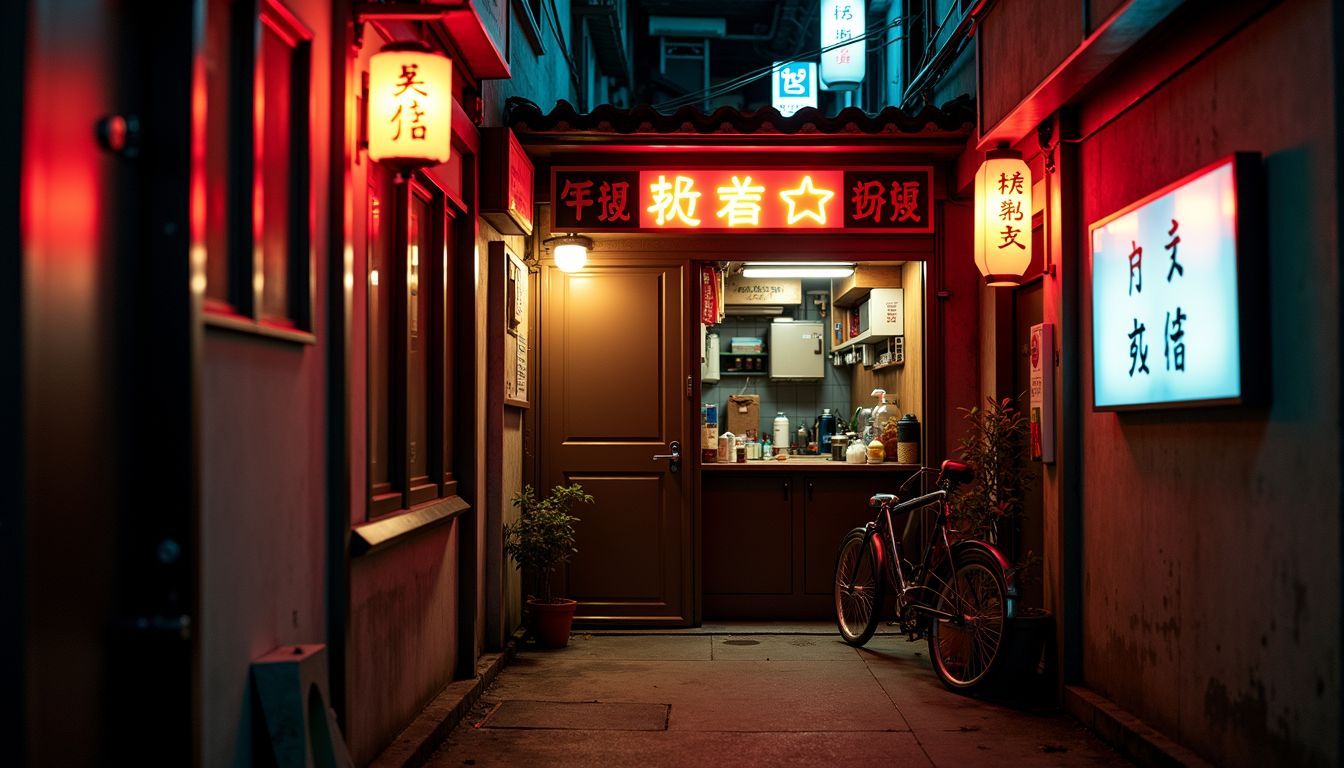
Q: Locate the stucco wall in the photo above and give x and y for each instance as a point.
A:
(1211, 536)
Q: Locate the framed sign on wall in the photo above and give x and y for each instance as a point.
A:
(1177, 287)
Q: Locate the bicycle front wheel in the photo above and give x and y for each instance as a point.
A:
(858, 587)
(966, 648)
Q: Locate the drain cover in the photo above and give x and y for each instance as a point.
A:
(741, 642)
(578, 716)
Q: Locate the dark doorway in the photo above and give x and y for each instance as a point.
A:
(1029, 538)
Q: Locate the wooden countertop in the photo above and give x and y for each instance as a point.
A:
(807, 464)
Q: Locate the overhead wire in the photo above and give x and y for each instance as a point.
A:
(756, 74)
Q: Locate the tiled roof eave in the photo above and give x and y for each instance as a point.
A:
(956, 118)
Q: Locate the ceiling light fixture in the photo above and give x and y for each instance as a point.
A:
(797, 269)
(570, 251)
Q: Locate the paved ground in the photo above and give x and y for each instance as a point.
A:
(745, 698)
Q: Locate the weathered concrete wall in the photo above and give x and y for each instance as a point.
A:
(403, 625)
(263, 505)
(1211, 536)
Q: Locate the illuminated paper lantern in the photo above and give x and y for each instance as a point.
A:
(842, 68)
(410, 105)
(1003, 218)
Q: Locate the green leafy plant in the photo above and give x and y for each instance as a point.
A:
(994, 447)
(543, 539)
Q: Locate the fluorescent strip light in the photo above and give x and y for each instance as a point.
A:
(798, 270)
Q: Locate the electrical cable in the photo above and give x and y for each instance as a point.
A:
(753, 75)
(756, 74)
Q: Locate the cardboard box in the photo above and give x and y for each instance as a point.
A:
(744, 416)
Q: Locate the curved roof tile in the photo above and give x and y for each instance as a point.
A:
(526, 116)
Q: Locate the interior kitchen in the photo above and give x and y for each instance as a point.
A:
(811, 391)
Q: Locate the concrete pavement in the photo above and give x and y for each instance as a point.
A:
(728, 696)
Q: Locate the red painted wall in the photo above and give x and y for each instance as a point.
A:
(1211, 537)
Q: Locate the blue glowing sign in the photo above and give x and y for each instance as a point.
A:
(794, 86)
(1166, 316)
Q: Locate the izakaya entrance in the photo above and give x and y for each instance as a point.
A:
(620, 342)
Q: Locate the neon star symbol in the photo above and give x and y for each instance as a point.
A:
(815, 209)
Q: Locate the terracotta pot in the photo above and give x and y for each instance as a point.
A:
(551, 621)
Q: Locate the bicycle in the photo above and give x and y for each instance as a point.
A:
(960, 595)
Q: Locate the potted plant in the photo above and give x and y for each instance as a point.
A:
(991, 509)
(538, 543)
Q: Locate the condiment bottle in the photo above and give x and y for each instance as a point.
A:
(856, 453)
(781, 431)
(876, 452)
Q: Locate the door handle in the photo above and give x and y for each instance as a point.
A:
(674, 457)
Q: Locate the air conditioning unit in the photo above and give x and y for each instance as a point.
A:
(687, 26)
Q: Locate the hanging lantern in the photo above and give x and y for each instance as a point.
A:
(842, 67)
(410, 105)
(1003, 218)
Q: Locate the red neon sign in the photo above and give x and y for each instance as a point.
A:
(891, 200)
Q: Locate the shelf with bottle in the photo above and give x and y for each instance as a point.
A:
(744, 362)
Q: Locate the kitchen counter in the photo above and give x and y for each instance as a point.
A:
(807, 464)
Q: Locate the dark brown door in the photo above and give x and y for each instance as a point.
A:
(612, 395)
(1030, 536)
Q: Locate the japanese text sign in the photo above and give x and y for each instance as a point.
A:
(794, 86)
(842, 67)
(1166, 323)
(410, 106)
(1041, 413)
(892, 200)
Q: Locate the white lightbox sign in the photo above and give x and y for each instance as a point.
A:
(842, 68)
(1166, 308)
(794, 86)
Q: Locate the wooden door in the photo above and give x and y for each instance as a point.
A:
(613, 393)
(1030, 535)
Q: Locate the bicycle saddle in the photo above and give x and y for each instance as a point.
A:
(879, 499)
(957, 472)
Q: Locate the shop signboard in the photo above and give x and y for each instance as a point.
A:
(506, 182)
(794, 86)
(1170, 281)
(1041, 418)
(892, 200)
(842, 65)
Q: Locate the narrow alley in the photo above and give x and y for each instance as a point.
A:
(724, 695)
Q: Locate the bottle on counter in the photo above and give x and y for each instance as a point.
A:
(825, 429)
(780, 434)
(877, 453)
(857, 450)
(767, 450)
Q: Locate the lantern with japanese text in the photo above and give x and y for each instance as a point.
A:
(842, 67)
(1003, 218)
(410, 105)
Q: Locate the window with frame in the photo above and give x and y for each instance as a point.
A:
(411, 236)
(263, 279)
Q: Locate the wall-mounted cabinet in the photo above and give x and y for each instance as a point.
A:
(879, 316)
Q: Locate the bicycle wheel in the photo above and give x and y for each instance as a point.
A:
(858, 587)
(965, 650)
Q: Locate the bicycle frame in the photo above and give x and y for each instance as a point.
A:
(924, 570)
